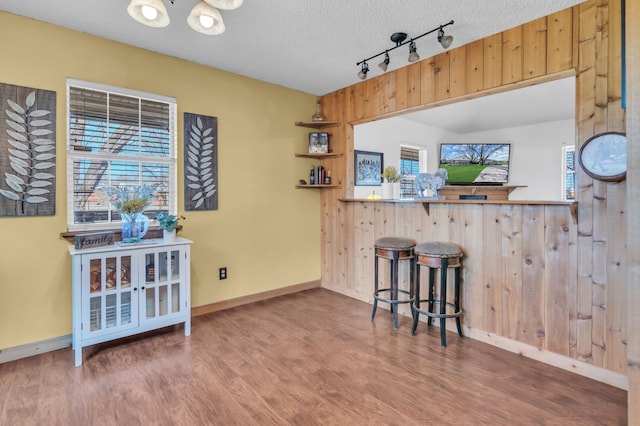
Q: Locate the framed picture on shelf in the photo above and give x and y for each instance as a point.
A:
(368, 168)
(319, 142)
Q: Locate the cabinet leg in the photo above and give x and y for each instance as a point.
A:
(78, 354)
(187, 326)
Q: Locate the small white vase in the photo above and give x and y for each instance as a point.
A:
(168, 236)
(396, 190)
(387, 190)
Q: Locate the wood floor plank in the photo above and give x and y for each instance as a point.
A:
(309, 358)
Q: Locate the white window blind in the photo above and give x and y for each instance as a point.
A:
(412, 161)
(117, 138)
(568, 173)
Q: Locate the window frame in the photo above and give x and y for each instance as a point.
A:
(73, 155)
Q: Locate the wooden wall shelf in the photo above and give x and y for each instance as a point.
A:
(317, 186)
(319, 155)
(317, 124)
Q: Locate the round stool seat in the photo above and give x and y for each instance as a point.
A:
(438, 256)
(395, 243)
(393, 249)
(438, 249)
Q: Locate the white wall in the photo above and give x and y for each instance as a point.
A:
(386, 136)
(536, 151)
(536, 156)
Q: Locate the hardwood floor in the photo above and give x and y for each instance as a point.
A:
(309, 358)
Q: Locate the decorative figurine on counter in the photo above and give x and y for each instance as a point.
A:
(433, 182)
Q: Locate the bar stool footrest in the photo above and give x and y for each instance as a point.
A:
(392, 301)
(455, 314)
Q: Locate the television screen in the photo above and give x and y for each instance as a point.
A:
(475, 163)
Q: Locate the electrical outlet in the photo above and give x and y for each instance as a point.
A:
(222, 273)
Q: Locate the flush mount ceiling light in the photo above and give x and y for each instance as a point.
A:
(204, 17)
(400, 39)
(225, 4)
(149, 12)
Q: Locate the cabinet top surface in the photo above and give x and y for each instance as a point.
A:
(146, 245)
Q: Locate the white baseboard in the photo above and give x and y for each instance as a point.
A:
(35, 348)
(564, 362)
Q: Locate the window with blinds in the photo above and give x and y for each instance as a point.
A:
(569, 173)
(117, 138)
(409, 168)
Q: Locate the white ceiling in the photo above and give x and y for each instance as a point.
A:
(310, 46)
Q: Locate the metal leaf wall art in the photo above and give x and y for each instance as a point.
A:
(27, 152)
(201, 162)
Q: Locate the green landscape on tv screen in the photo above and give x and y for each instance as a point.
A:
(476, 164)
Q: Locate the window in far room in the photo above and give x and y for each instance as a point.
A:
(568, 173)
(117, 138)
(412, 161)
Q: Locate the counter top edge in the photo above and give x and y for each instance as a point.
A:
(430, 201)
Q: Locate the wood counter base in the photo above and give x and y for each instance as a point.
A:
(519, 267)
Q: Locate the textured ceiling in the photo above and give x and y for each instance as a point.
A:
(311, 46)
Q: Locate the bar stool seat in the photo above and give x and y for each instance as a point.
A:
(438, 255)
(393, 249)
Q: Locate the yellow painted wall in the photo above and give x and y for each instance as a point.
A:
(265, 231)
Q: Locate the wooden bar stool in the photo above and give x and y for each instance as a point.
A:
(438, 255)
(393, 249)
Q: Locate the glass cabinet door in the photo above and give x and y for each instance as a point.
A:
(111, 303)
(162, 283)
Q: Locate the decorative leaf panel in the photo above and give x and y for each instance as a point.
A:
(200, 162)
(27, 151)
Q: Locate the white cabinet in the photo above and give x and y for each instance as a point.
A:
(120, 291)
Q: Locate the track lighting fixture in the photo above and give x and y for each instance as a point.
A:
(400, 39)
(204, 17)
(362, 75)
(444, 40)
(384, 64)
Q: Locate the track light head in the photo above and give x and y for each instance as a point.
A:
(444, 40)
(384, 64)
(362, 74)
(413, 54)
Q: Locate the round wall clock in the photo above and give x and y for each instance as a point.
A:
(604, 156)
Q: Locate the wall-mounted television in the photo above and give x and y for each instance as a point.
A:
(476, 163)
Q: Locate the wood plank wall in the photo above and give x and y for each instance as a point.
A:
(633, 199)
(532, 274)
